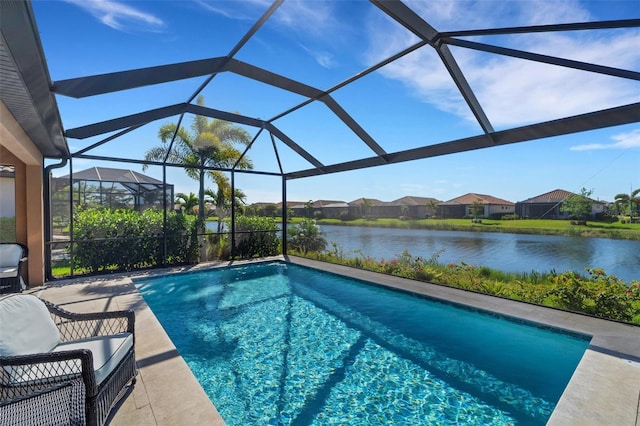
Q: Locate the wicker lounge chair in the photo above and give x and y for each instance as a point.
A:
(57, 367)
(12, 257)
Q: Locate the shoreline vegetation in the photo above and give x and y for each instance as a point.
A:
(593, 293)
(591, 229)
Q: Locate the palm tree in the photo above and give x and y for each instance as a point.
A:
(366, 205)
(308, 207)
(210, 144)
(432, 207)
(188, 203)
(475, 209)
(630, 202)
(222, 197)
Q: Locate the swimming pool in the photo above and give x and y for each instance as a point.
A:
(277, 343)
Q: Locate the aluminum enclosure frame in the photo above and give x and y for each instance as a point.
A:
(401, 13)
(405, 16)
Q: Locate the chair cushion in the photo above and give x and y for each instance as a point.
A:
(8, 271)
(10, 255)
(107, 351)
(27, 326)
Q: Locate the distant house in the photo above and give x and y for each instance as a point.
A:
(307, 209)
(544, 206)
(548, 206)
(461, 207)
(409, 207)
(335, 210)
(363, 207)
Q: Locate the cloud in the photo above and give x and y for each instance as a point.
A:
(301, 16)
(305, 22)
(322, 57)
(512, 91)
(119, 16)
(622, 141)
(247, 10)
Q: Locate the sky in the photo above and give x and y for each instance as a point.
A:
(409, 103)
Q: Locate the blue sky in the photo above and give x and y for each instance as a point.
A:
(407, 104)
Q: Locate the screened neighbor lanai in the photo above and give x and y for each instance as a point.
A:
(113, 188)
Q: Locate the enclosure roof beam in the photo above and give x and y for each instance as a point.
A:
(105, 83)
(223, 115)
(179, 165)
(125, 121)
(156, 114)
(352, 124)
(414, 23)
(276, 80)
(553, 60)
(579, 123)
(82, 87)
(577, 26)
(294, 146)
(110, 138)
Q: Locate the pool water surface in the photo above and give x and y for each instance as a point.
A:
(277, 343)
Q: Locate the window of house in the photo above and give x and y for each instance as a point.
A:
(7, 203)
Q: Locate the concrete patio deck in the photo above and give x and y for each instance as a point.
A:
(604, 389)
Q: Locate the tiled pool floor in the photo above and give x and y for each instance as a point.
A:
(604, 390)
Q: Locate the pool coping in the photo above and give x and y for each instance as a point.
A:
(604, 388)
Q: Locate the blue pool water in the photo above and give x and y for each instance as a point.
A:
(282, 344)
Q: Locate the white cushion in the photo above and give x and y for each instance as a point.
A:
(107, 351)
(8, 271)
(26, 326)
(10, 255)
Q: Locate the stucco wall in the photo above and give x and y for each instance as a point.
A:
(16, 149)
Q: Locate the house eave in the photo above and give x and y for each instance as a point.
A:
(25, 80)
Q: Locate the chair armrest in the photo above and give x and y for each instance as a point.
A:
(24, 374)
(75, 326)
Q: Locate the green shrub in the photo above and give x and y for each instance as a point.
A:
(125, 239)
(512, 216)
(256, 236)
(306, 237)
(599, 294)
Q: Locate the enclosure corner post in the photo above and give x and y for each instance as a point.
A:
(233, 215)
(284, 215)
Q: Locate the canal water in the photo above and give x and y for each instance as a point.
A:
(506, 252)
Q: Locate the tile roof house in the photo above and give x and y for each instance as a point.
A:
(460, 207)
(362, 201)
(304, 210)
(544, 206)
(408, 207)
(548, 206)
